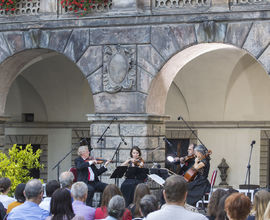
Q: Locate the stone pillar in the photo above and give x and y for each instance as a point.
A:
(124, 5)
(143, 130)
(49, 6)
(3, 120)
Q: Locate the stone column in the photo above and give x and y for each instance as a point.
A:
(143, 130)
(3, 120)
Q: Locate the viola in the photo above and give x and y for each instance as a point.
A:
(139, 163)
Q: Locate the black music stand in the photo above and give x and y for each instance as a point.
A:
(137, 173)
(163, 173)
(119, 172)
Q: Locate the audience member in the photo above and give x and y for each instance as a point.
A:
(148, 204)
(2, 211)
(61, 206)
(175, 194)
(140, 191)
(116, 208)
(237, 206)
(66, 179)
(30, 208)
(19, 196)
(51, 186)
(110, 191)
(213, 203)
(221, 214)
(79, 192)
(5, 185)
(266, 215)
(260, 201)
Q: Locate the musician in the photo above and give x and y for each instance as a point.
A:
(132, 180)
(200, 185)
(88, 172)
(186, 162)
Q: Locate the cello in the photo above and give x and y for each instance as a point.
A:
(191, 173)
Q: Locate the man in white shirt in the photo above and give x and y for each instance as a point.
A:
(51, 186)
(175, 193)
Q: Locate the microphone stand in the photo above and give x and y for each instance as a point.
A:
(101, 137)
(192, 131)
(116, 153)
(247, 179)
(59, 162)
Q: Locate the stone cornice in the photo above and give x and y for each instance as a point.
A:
(47, 125)
(115, 20)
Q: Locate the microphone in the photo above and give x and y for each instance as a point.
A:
(123, 140)
(179, 118)
(168, 142)
(253, 142)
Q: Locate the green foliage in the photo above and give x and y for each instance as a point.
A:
(16, 164)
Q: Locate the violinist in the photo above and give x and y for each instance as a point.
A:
(187, 161)
(132, 180)
(88, 173)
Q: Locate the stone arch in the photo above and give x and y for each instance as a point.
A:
(20, 49)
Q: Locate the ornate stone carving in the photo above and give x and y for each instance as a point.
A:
(172, 4)
(119, 69)
(24, 7)
(223, 167)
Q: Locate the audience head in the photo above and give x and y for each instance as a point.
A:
(175, 189)
(51, 186)
(66, 179)
(140, 191)
(221, 214)
(267, 212)
(237, 206)
(148, 204)
(116, 207)
(5, 184)
(19, 193)
(34, 190)
(214, 200)
(61, 204)
(79, 191)
(110, 191)
(261, 199)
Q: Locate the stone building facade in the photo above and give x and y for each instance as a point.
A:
(129, 57)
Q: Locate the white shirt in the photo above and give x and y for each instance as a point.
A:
(174, 212)
(6, 200)
(45, 204)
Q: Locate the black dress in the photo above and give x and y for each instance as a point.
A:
(133, 178)
(200, 185)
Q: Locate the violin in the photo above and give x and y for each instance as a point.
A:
(139, 162)
(188, 157)
(98, 159)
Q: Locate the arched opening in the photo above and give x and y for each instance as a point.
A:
(221, 91)
(47, 99)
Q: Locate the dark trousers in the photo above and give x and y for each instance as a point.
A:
(92, 188)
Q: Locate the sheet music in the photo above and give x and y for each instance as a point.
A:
(157, 179)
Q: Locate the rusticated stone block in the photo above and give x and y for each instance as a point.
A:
(146, 142)
(4, 50)
(158, 129)
(77, 44)
(184, 34)
(95, 81)
(149, 59)
(144, 80)
(15, 40)
(127, 102)
(91, 60)
(98, 129)
(55, 40)
(163, 39)
(237, 32)
(120, 35)
(135, 129)
(255, 42)
(113, 142)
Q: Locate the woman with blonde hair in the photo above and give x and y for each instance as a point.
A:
(261, 199)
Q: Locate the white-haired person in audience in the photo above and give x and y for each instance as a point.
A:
(175, 194)
(5, 185)
(66, 179)
(148, 204)
(116, 208)
(30, 209)
(61, 206)
(79, 192)
(50, 187)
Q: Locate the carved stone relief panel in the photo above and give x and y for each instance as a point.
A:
(119, 68)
